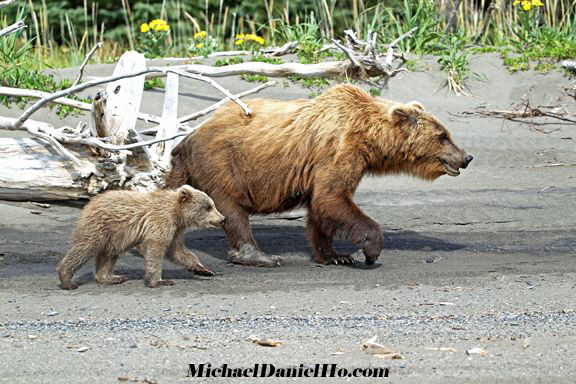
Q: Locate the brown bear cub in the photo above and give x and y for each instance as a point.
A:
(116, 221)
(310, 153)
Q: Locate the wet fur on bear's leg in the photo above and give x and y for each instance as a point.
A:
(248, 254)
(244, 249)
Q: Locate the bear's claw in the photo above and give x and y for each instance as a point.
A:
(340, 260)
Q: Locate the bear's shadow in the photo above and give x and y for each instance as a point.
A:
(279, 240)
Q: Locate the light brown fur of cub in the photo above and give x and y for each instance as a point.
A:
(116, 221)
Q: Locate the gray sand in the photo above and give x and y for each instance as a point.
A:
(502, 238)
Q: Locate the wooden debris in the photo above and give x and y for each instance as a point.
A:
(264, 342)
(371, 347)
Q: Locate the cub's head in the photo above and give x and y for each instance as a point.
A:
(426, 146)
(196, 209)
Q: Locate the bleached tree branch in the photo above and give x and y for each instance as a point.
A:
(86, 59)
(12, 28)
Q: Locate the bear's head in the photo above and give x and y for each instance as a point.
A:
(196, 209)
(427, 149)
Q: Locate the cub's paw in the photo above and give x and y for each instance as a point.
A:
(111, 280)
(250, 255)
(69, 286)
(201, 270)
(159, 283)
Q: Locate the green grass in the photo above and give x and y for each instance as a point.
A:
(228, 61)
(60, 35)
(254, 78)
(16, 72)
(154, 83)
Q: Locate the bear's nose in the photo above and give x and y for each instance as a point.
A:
(467, 160)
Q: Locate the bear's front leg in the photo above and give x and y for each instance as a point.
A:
(337, 215)
(237, 226)
(181, 255)
(153, 255)
(321, 244)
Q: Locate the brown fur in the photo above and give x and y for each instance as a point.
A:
(312, 153)
(116, 221)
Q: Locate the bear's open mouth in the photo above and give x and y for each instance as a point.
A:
(450, 170)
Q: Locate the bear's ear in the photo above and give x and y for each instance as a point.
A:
(184, 194)
(417, 105)
(403, 115)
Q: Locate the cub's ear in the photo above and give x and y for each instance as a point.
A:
(402, 114)
(185, 194)
(416, 104)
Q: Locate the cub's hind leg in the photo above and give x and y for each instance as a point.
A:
(105, 262)
(74, 259)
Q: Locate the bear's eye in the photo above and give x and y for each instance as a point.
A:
(443, 137)
(208, 208)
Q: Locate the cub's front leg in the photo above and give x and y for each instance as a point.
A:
(154, 252)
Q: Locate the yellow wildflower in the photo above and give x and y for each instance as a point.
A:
(249, 37)
(528, 4)
(200, 35)
(200, 46)
(156, 22)
(144, 28)
(161, 27)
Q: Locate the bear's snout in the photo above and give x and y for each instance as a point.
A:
(467, 161)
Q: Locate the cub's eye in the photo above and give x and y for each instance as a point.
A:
(208, 208)
(443, 137)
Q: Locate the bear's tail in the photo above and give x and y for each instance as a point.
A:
(178, 174)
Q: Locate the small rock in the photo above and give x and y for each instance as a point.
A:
(32, 337)
(132, 346)
(430, 259)
(525, 343)
(52, 313)
(41, 205)
(476, 351)
(82, 349)
(35, 212)
(402, 365)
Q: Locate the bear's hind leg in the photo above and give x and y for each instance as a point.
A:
(74, 259)
(237, 226)
(180, 255)
(321, 244)
(105, 262)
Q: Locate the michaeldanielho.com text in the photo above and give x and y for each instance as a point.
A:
(269, 370)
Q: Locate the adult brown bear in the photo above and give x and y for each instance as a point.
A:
(310, 153)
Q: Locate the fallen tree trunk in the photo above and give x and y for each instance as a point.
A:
(32, 170)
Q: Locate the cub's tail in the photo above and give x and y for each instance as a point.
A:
(178, 174)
